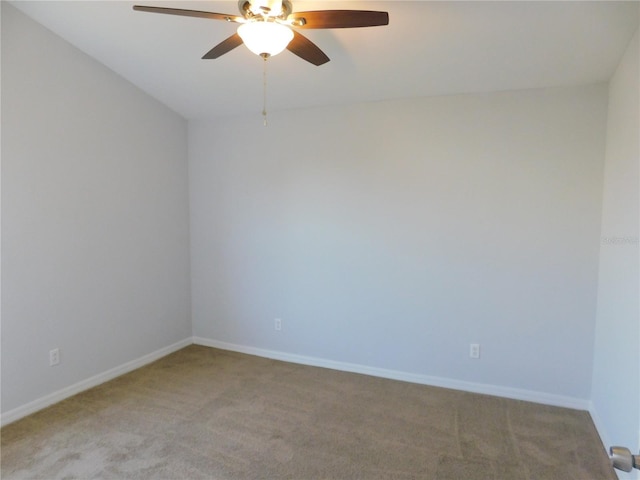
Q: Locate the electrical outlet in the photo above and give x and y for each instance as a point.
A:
(54, 357)
(277, 324)
(474, 350)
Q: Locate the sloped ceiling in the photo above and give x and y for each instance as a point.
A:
(429, 48)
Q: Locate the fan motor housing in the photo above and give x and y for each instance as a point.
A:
(245, 9)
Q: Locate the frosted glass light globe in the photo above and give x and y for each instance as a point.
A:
(265, 38)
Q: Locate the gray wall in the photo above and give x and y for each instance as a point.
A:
(95, 234)
(392, 235)
(616, 372)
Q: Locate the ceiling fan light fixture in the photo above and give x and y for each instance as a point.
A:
(265, 38)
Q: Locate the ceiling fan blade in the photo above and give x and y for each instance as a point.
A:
(190, 13)
(338, 19)
(306, 49)
(223, 47)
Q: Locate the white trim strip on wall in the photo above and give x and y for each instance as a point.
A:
(599, 424)
(55, 397)
(486, 389)
(505, 392)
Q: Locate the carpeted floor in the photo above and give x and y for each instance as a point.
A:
(203, 413)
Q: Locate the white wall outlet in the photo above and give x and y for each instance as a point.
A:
(474, 350)
(54, 357)
(277, 324)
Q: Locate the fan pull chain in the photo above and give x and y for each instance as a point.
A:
(264, 90)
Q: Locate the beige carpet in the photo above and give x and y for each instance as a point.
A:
(203, 413)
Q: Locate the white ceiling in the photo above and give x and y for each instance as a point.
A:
(429, 48)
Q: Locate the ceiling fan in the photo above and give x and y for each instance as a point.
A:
(266, 27)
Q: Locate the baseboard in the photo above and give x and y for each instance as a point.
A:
(606, 443)
(40, 403)
(499, 391)
(495, 390)
(599, 424)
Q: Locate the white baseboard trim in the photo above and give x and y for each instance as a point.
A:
(486, 389)
(606, 442)
(55, 397)
(599, 424)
